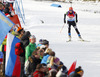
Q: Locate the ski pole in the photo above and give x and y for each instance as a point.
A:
(70, 3)
(62, 28)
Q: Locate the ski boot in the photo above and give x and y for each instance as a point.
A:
(80, 37)
(69, 39)
(69, 35)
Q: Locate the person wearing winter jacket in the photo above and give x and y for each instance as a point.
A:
(7, 10)
(25, 38)
(45, 43)
(41, 52)
(40, 43)
(62, 70)
(34, 60)
(52, 59)
(77, 73)
(24, 42)
(31, 47)
(39, 71)
(72, 19)
(46, 55)
(52, 73)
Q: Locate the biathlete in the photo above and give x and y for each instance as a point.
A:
(72, 19)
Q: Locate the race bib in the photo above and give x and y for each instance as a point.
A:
(71, 18)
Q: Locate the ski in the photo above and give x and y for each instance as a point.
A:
(78, 40)
(68, 40)
(84, 40)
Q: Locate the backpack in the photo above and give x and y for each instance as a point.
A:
(18, 49)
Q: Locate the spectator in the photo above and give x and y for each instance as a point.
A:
(39, 71)
(40, 42)
(77, 73)
(41, 52)
(46, 55)
(34, 60)
(62, 70)
(7, 10)
(46, 70)
(24, 41)
(53, 60)
(31, 47)
(46, 43)
(43, 47)
(71, 21)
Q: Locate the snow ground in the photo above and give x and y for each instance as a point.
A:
(87, 54)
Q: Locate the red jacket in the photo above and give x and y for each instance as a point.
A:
(38, 74)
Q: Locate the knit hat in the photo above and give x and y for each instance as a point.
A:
(70, 8)
(32, 36)
(41, 41)
(19, 29)
(45, 42)
(78, 69)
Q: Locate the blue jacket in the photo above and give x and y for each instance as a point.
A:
(39, 45)
(45, 58)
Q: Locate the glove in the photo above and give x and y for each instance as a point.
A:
(76, 21)
(64, 21)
